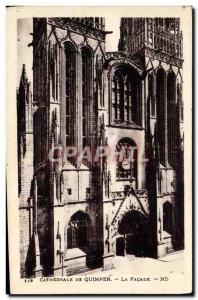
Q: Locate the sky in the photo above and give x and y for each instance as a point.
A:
(24, 38)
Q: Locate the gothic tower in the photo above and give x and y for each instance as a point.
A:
(157, 43)
(68, 54)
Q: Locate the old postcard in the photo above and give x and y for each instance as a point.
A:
(99, 143)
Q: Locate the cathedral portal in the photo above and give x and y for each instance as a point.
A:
(133, 235)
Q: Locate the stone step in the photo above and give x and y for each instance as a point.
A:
(79, 270)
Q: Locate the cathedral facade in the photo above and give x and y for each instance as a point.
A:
(82, 201)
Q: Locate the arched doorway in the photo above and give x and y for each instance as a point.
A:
(168, 217)
(120, 246)
(79, 232)
(133, 231)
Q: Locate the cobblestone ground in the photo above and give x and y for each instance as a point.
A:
(172, 264)
(142, 275)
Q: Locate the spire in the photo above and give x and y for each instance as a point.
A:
(23, 75)
(24, 78)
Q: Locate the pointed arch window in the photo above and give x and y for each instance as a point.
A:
(86, 93)
(160, 98)
(151, 94)
(171, 115)
(117, 98)
(126, 98)
(180, 101)
(128, 101)
(70, 78)
(120, 102)
(114, 100)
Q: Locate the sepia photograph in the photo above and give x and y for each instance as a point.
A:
(100, 139)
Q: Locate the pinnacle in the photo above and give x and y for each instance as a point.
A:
(23, 74)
